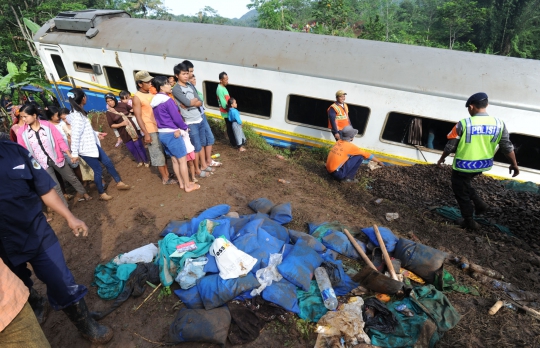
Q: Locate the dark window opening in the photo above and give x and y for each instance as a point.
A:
(83, 67)
(153, 74)
(250, 100)
(60, 68)
(115, 78)
(313, 112)
(527, 150)
(403, 128)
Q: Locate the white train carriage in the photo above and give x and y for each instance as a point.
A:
(285, 81)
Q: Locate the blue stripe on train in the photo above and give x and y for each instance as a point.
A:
(94, 100)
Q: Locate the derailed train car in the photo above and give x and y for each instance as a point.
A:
(285, 81)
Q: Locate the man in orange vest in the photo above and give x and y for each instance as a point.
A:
(345, 158)
(338, 115)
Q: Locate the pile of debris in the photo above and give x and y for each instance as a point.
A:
(235, 273)
(428, 186)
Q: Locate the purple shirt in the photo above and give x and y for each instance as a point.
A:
(166, 113)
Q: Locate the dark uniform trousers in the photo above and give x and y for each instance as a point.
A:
(25, 235)
(464, 192)
(349, 168)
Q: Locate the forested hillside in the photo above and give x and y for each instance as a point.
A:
(502, 27)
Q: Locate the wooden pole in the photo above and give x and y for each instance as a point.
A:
(385, 253)
(359, 249)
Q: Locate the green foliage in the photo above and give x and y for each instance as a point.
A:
(254, 140)
(458, 18)
(31, 25)
(333, 15)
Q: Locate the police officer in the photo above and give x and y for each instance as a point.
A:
(338, 115)
(25, 236)
(475, 140)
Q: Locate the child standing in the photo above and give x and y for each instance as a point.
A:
(125, 97)
(234, 118)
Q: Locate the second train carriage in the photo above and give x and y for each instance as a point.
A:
(285, 81)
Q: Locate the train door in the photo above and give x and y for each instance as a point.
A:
(51, 57)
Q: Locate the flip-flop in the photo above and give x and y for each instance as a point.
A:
(170, 182)
(204, 174)
(209, 169)
(215, 164)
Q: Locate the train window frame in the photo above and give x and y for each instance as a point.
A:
(78, 67)
(106, 73)
(424, 148)
(521, 167)
(61, 78)
(360, 134)
(208, 106)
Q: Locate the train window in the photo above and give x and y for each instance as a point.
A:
(115, 78)
(83, 67)
(527, 150)
(60, 68)
(257, 102)
(416, 130)
(313, 112)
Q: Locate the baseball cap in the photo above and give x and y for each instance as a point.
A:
(340, 93)
(348, 133)
(143, 76)
(475, 98)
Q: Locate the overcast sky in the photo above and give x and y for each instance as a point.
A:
(225, 8)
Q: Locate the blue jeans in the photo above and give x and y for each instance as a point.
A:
(207, 137)
(195, 132)
(50, 267)
(95, 164)
(349, 168)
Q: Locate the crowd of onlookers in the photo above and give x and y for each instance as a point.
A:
(164, 118)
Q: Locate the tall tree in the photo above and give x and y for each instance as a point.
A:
(458, 17)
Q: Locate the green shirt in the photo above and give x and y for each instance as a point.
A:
(223, 98)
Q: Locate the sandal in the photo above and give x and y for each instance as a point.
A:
(67, 196)
(170, 182)
(208, 169)
(204, 174)
(194, 179)
(147, 165)
(139, 165)
(215, 164)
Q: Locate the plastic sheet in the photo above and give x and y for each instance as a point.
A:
(199, 325)
(269, 274)
(143, 254)
(261, 205)
(215, 291)
(298, 266)
(281, 213)
(231, 261)
(388, 237)
(193, 270)
(345, 323)
(282, 293)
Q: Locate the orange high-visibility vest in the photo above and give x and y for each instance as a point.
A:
(342, 116)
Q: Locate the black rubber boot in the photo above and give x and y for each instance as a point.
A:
(468, 223)
(89, 328)
(480, 207)
(39, 305)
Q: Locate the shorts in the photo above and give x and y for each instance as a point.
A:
(190, 156)
(157, 158)
(195, 132)
(173, 146)
(207, 139)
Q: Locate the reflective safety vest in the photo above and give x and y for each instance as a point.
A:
(342, 116)
(477, 145)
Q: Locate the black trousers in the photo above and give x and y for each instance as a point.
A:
(464, 192)
(230, 133)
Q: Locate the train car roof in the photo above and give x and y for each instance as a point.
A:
(508, 81)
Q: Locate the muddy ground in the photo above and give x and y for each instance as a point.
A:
(136, 217)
